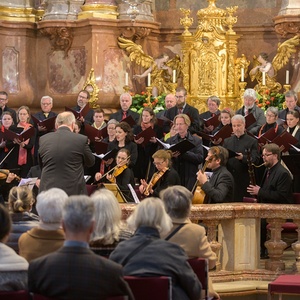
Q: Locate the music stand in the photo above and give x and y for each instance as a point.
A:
(115, 189)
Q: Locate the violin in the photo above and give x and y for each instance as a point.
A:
(156, 176)
(198, 193)
(117, 171)
(4, 174)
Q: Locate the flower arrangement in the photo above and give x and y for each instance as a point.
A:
(139, 101)
(272, 99)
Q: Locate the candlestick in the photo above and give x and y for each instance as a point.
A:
(149, 80)
(263, 78)
(287, 77)
(174, 76)
(242, 74)
(126, 78)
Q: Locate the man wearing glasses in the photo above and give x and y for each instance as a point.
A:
(3, 106)
(182, 107)
(82, 100)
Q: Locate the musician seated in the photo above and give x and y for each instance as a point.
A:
(121, 174)
(7, 181)
(191, 237)
(109, 228)
(164, 177)
(220, 187)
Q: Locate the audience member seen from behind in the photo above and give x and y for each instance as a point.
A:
(150, 220)
(48, 236)
(13, 268)
(20, 201)
(109, 229)
(74, 271)
(191, 237)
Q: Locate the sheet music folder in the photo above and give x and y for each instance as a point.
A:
(129, 120)
(222, 134)
(23, 136)
(78, 114)
(250, 119)
(213, 121)
(92, 132)
(182, 147)
(113, 187)
(147, 134)
(285, 139)
(49, 123)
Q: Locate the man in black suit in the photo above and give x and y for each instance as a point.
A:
(4, 107)
(125, 111)
(219, 188)
(63, 156)
(170, 101)
(74, 271)
(45, 113)
(82, 100)
(183, 108)
(291, 100)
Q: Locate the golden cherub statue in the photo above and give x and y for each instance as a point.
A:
(161, 68)
(261, 64)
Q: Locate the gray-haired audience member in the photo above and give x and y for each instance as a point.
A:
(13, 268)
(155, 256)
(109, 229)
(48, 236)
(74, 271)
(249, 106)
(191, 237)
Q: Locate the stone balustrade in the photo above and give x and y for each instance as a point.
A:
(233, 229)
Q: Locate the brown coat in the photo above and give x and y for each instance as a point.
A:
(37, 242)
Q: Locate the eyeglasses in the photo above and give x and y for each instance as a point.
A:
(46, 104)
(82, 97)
(266, 154)
(179, 97)
(270, 116)
(158, 163)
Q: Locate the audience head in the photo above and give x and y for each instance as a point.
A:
(46, 104)
(50, 205)
(125, 101)
(292, 118)
(78, 215)
(3, 99)
(271, 114)
(249, 98)
(65, 118)
(270, 154)
(238, 125)
(107, 217)
(5, 224)
(124, 131)
(162, 159)
(217, 156)
(213, 103)
(177, 200)
(7, 119)
(180, 96)
(226, 115)
(20, 199)
(83, 98)
(151, 213)
(23, 114)
(170, 101)
(291, 99)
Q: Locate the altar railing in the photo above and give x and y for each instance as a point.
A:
(233, 230)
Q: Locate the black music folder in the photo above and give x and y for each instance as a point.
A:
(222, 134)
(100, 147)
(250, 119)
(48, 123)
(182, 147)
(23, 136)
(285, 140)
(93, 133)
(213, 121)
(129, 120)
(147, 134)
(78, 114)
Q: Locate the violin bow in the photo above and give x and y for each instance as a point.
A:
(6, 156)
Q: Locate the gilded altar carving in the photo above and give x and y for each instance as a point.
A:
(135, 33)
(91, 86)
(61, 38)
(209, 57)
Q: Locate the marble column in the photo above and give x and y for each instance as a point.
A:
(289, 7)
(141, 11)
(105, 9)
(62, 9)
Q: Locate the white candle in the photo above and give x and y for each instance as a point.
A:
(242, 74)
(149, 80)
(174, 76)
(126, 78)
(287, 77)
(263, 78)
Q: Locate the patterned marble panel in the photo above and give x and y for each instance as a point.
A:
(116, 65)
(10, 70)
(66, 75)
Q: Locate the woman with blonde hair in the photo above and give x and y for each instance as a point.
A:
(20, 201)
(109, 229)
(146, 254)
